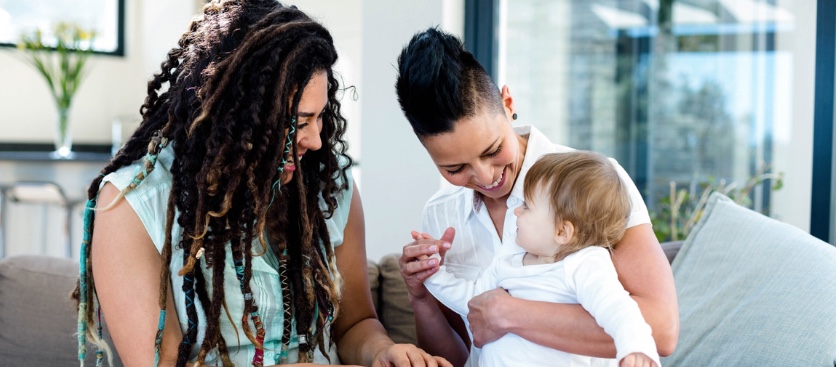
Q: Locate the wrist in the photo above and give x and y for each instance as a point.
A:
(421, 298)
(503, 313)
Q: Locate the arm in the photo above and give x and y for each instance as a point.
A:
(126, 270)
(439, 330)
(450, 291)
(598, 290)
(644, 272)
(360, 337)
(455, 292)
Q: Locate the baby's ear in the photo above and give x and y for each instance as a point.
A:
(564, 231)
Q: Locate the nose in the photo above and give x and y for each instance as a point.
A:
(517, 210)
(484, 174)
(308, 138)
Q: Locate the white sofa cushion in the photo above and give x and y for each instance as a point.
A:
(753, 291)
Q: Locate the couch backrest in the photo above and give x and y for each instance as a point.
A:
(37, 318)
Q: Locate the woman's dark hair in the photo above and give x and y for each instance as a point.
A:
(440, 83)
(234, 84)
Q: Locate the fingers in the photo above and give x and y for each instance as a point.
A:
(408, 355)
(441, 362)
(398, 360)
(637, 360)
(450, 232)
(628, 361)
(447, 239)
(421, 247)
(415, 253)
(417, 236)
(421, 275)
(417, 358)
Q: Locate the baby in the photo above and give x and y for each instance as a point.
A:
(575, 209)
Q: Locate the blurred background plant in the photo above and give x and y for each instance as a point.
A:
(677, 213)
(61, 59)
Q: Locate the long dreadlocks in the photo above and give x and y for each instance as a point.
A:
(227, 115)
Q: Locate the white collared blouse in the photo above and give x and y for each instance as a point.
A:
(476, 241)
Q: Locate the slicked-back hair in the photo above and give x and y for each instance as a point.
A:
(234, 83)
(440, 83)
(583, 188)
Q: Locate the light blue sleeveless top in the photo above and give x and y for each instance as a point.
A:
(150, 200)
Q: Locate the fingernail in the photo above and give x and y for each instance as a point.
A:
(433, 248)
(446, 245)
(432, 262)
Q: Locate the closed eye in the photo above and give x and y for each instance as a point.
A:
(494, 153)
(455, 171)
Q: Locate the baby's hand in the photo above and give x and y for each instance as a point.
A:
(447, 238)
(637, 360)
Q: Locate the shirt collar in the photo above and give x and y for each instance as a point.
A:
(538, 145)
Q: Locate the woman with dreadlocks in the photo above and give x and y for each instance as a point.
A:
(228, 230)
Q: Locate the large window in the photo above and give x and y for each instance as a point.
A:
(681, 93)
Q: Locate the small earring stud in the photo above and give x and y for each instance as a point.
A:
(514, 116)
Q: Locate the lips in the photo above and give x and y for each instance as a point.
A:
(496, 184)
(290, 166)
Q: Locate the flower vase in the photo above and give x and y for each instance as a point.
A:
(63, 135)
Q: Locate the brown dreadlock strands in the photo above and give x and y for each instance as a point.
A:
(154, 146)
(225, 113)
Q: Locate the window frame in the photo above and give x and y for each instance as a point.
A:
(120, 34)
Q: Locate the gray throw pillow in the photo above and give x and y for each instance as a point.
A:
(753, 291)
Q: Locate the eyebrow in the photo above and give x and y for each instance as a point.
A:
(484, 152)
(305, 114)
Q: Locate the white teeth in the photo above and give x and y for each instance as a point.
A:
(494, 184)
(291, 163)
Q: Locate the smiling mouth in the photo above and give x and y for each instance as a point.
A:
(496, 184)
(290, 166)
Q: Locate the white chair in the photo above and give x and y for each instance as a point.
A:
(36, 192)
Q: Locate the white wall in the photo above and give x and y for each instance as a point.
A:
(398, 176)
(114, 87)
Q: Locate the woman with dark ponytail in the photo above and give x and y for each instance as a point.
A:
(228, 230)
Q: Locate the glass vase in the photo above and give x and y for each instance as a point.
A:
(63, 135)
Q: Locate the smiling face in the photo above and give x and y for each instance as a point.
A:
(482, 153)
(309, 121)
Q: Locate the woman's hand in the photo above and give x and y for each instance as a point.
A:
(485, 315)
(406, 355)
(416, 263)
